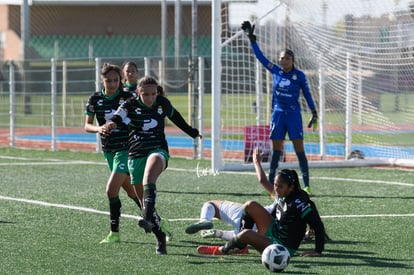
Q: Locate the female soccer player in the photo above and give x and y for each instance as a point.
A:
(229, 212)
(286, 117)
(130, 76)
(103, 105)
(147, 145)
(293, 212)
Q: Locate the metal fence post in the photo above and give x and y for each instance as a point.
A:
(53, 85)
(12, 88)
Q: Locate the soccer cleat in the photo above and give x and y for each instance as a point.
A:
(165, 228)
(211, 233)
(113, 237)
(195, 227)
(216, 250)
(146, 225)
(307, 190)
(209, 250)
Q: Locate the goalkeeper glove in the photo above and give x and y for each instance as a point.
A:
(248, 30)
(313, 121)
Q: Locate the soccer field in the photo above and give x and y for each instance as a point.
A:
(54, 213)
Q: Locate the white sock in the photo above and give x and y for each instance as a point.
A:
(207, 212)
(225, 235)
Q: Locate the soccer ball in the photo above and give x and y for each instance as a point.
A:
(275, 257)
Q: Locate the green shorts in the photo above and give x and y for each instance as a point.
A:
(273, 239)
(117, 161)
(137, 166)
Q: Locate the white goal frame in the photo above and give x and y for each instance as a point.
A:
(218, 162)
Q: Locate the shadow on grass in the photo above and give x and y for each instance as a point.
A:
(252, 258)
(7, 222)
(351, 257)
(330, 258)
(333, 241)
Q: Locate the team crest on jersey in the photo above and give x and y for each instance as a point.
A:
(159, 111)
(294, 77)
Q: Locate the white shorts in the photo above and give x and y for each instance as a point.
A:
(231, 213)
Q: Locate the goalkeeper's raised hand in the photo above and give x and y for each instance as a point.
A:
(313, 122)
(248, 30)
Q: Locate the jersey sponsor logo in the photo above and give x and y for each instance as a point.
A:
(138, 111)
(99, 102)
(302, 206)
(109, 114)
(126, 120)
(149, 124)
(136, 137)
(284, 83)
(121, 166)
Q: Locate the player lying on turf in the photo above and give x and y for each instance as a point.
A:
(286, 225)
(229, 212)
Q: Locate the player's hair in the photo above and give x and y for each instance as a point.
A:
(147, 80)
(290, 53)
(290, 177)
(160, 90)
(107, 67)
(129, 63)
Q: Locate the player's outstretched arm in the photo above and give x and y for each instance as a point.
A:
(178, 120)
(261, 175)
(249, 30)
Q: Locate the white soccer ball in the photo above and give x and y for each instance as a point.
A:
(275, 257)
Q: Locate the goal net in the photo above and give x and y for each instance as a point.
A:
(358, 57)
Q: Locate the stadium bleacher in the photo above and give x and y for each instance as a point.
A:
(68, 46)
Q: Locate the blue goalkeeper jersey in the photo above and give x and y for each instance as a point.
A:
(286, 86)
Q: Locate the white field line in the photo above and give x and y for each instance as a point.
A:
(90, 210)
(60, 162)
(368, 181)
(52, 163)
(36, 162)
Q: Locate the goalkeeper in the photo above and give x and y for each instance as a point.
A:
(286, 117)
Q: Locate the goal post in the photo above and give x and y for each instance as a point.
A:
(359, 61)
